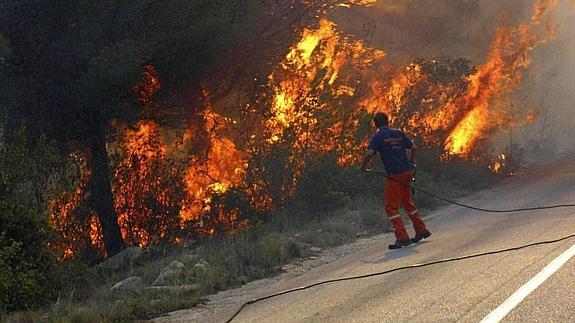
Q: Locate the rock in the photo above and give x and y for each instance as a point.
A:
(168, 274)
(202, 264)
(288, 267)
(177, 288)
(190, 257)
(130, 286)
(124, 259)
(156, 302)
(315, 249)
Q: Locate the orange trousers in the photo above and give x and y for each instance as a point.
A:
(398, 193)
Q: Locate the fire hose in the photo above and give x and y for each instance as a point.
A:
(418, 189)
(425, 264)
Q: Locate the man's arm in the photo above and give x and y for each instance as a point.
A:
(411, 153)
(367, 159)
(410, 147)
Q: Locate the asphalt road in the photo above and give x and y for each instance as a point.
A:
(464, 291)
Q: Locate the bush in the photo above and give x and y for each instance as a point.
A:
(32, 171)
(325, 187)
(24, 260)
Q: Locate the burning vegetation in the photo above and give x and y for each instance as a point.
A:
(220, 170)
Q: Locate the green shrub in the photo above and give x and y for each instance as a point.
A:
(325, 187)
(24, 260)
(75, 279)
(32, 171)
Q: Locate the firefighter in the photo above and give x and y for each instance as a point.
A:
(397, 152)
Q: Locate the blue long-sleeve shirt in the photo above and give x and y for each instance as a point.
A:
(391, 144)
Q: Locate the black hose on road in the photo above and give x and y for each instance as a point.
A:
(481, 254)
(469, 206)
(425, 264)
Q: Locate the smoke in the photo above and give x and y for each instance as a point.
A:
(550, 89)
(408, 29)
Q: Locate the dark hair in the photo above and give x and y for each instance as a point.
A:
(381, 120)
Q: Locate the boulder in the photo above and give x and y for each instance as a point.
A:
(202, 265)
(167, 289)
(288, 267)
(168, 274)
(130, 286)
(123, 259)
(155, 302)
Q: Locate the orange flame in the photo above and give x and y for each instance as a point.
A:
(223, 168)
(312, 65)
(72, 231)
(499, 76)
(498, 164)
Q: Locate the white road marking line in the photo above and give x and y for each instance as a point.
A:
(500, 312)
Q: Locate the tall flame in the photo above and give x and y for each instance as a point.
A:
(223, 167)
(500, 75)
(73, 231)
(312, 65)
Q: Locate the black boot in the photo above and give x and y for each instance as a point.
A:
(400, 244)
(419, 236)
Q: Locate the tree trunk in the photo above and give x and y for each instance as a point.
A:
(102, 196)
(195, 103)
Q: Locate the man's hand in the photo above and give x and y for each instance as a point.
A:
(367, 160)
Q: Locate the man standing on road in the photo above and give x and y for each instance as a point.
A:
(397, 152)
